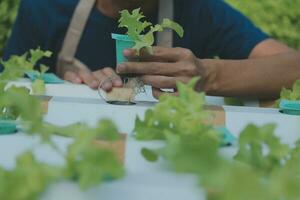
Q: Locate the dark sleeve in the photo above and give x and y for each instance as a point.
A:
(24, 34)
(233, 36)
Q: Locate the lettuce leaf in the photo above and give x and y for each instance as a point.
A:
(292, 94)
(142, 31)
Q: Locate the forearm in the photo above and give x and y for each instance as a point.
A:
(262, 77)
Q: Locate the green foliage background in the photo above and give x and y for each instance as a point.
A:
(8, 12)
(279, 18)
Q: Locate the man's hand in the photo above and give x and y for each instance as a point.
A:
(106, 77)
(164, 68)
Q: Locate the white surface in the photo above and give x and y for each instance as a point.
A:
(288, 126)
(83, 91)
(124, 116)
(144, 180)
(78, 91)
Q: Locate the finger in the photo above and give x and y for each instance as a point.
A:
(144, 55)
(164, 81)
(158, 93)
(103, 79)
(167, 54)
(161, 54)
(107, 84)
(99, 75)
(130, 54)
(72, 77)
(88, 78)
(116, 80)
(150, 68)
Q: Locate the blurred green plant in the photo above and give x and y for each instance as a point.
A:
(85, 163)
(8, 12)
(279, 18)
(264, 168)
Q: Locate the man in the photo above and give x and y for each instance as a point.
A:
(250, 64)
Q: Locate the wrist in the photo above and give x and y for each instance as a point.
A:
(209, 74)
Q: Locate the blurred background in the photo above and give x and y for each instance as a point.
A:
(279, 18)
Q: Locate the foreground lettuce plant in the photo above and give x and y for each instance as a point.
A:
(85, 163)
(263, 168)
(17, 66)
(177, 119)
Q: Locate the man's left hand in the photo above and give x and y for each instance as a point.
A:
(164, 68)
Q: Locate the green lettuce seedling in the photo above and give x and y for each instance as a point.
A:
(182, 115)
(142, 31)
(38, 86)
(15, 68)
(179, 121)
(290, 94)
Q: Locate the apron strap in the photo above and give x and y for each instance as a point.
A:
(166, 10)
(66, 58)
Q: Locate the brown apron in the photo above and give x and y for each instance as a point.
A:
(66, 58)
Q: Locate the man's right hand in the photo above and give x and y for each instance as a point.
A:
(106, 77)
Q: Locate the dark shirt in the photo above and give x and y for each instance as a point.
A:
(212, 28)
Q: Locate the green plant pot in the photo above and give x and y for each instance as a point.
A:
(48, 78)
(290, 107)
(7, 126)
(122, 42)
(227, 138)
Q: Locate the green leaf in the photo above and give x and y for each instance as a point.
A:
(231, 101)
(43, 69)
(27, 107)
(137, 28)
(89, 164)
(149, 155)
(180, 122)
(133, 23)
(27, 180)
(38, 54)
(15, 68)
(39, 87)
(106, 130)
(292, 94)
(252, 142)
(167, 23)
